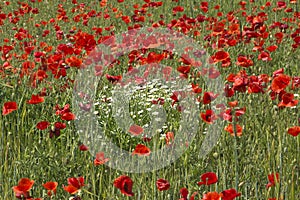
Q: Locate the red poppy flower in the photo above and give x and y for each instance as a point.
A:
(98, 70)
(218, 29)
(61, 111)
(40, 75)
(151, 41)
(185, 58)
(212, 196)
(184, 69)
(208, 178)
(272, 179)
(159, 101)
(23, 187)
(83, 147)
(243, 61)
(147, 139)
(74, 185)
(42, 125)
(272, 48)
(240, 111)
(103, 3)
(9, 107)
(295, 83)
(184, 194)
(240, 83)
(264, 78)
(233, 104)
(209, 97)
(230, 194)
(264, 56)
(85, 107)
(255, 87)
(228, 91)
(126, 19)
(231, 77)
(154, 57)
(288, 100)
(226, 62)
(73, 61)
(76, 182)
(162, 184)
(239, 129)
(169, 138)
(204, 6)
(35, 99)
(196, 88)
(281, 4)
(178, 9)
(124, 184)
(278, 72)
(55, 132)
(71, 189)
(135, 130)
(59, 125)
(100, 159)
(280, 82)
(220, 56)
(226, 115)
(84, 40)
(68, 116)
(209, 116)
(51, 188)
(141, 150)
(213, 73)
(113, 79)
(177, 96)
(294, 131)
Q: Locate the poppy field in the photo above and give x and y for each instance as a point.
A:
(148, 99)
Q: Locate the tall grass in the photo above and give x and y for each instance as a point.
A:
(242, 162)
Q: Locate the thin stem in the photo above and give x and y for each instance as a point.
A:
(235, 152)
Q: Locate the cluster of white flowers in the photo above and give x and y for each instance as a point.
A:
(140, 100)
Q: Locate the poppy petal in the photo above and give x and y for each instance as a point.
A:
(141, 150)
(9, 107)
(135, 130)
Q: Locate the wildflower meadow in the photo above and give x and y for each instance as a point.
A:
(148, 99)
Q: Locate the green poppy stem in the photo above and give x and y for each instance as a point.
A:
(235, 152)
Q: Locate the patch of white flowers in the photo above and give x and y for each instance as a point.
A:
(140, 99)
